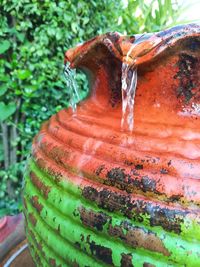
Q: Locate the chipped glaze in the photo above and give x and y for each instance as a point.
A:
(98, 196)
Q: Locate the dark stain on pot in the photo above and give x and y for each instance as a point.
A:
(78, 245)
(139, 167)
(169, 163)
(118, 178)
(40, 185)
(102, 253)
(37, 257)
(185, 75)
(58, 154)
(100, 169)
(138, 237)
(40, 163)
(126, 260)
(32, 219)
(92, 219)
(76, 213)
(128, 163)
(56, 176)
(193, 44)
(39, 247)
(146, 264)
(168, 219)
(174, 198)
(164, 171)
(82, 237)
(35, 202)
(148, 184)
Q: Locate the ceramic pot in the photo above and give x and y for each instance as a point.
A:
(99, 195)
(11, 234)
(14, 250)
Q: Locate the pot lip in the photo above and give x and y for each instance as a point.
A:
(119, 45)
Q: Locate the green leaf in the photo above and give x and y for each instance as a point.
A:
(86, 20)
(23, 74)
(20, 36)
(4, 46)
(6, 110)
(4, 78)
(3, 89)
(74, 27)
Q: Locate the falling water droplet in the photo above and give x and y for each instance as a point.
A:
(72, 86)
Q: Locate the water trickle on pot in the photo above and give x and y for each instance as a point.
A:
(72, 87)
(129, 83)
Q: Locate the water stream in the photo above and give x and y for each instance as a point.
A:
(72, 86)
(129, 84)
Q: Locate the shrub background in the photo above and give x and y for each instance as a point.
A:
(33, 38)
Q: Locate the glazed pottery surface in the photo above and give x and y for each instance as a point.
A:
(99, 195)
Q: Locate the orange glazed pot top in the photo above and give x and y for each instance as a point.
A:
(167, 105)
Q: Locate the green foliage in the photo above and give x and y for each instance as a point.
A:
(33, 38)
(149, 16)
(4, 46)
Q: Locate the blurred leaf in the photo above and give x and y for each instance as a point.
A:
(3, 89)
(4, 46)
(6, 110)
(74, 27)
(20, 36)
(23, 74)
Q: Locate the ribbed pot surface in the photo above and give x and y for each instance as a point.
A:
(98, 196)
